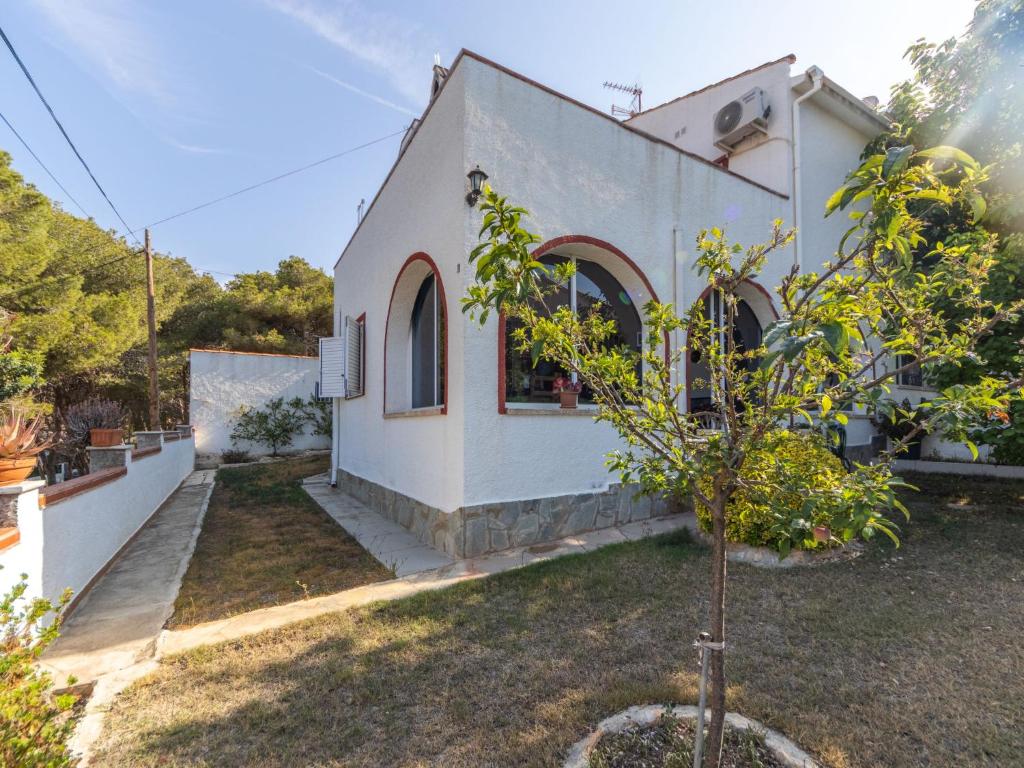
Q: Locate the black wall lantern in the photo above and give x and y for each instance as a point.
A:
(476, 184)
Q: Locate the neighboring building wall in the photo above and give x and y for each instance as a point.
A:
(421, 209)
(68, 538)
(688, 123)
(220, 383)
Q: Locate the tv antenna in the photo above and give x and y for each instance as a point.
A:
(634, 90)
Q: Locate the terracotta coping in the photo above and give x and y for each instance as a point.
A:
(61, 491)
(141, 454)
(9, 537)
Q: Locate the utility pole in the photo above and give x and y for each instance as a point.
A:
(154, 389)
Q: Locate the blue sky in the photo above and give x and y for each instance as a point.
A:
(173, 104)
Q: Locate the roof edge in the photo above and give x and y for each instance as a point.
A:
(789, 58)
(466, 53)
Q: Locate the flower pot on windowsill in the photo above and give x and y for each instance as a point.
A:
(568, 398)
(105, 438)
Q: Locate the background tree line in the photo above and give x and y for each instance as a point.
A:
(73, 311)
(969, 92)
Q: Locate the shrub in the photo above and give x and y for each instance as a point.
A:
(96, 413)
(316, 412)
(274, 425)
(1005, 433)
(35, 725)
(781, 504)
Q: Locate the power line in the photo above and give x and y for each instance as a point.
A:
(263, 183)
(57, 278)
(67, 138)
(43, 165)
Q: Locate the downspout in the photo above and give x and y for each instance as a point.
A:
(817, 80)
(335, 421)
(677, 258)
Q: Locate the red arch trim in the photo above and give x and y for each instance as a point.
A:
(602, 244)
(753, 284)
(540, 250)
(419, 256)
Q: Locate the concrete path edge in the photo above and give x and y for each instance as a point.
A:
(90, 726)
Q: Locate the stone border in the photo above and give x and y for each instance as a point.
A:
(763, 557)
(785, 750)
(481, 529)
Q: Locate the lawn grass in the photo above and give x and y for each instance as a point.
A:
(909, 657)
(265, 542)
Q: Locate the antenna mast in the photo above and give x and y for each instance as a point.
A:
(634, 90)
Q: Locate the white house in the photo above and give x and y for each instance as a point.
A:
(444, 428)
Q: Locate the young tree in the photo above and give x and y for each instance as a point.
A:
(275, 425)
(825, 353)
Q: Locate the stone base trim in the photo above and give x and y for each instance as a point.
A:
(479, 529)
(784, 750)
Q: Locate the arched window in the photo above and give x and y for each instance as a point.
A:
(426, 340)
(746, 334)
(591, 288)
(415, 339)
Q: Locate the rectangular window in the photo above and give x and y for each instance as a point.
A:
(354, 338)
(912, 376)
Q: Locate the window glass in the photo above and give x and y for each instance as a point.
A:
(595, 289)
(427, 354)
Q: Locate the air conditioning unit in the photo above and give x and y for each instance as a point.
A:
(741, 118)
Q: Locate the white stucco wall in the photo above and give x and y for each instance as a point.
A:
(67, 543)
(421, 209)
(222, 382)
(578, 173)
(581, 174)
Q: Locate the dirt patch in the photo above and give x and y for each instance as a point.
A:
(669, 744)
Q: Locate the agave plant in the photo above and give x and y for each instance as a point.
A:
(19, 437)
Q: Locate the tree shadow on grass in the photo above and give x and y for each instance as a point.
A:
(867, 662)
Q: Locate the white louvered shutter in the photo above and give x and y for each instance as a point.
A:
(332, 366)
(353, 357)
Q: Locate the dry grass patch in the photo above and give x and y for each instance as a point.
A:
(899, 658)
(266, 542)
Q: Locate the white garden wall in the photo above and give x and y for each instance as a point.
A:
(68, 539)
(220, 383)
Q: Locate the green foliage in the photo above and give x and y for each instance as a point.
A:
(19, 372)
(72, 300)
(969, 90)
(34, 723)
(317, 413)
(275, 425)
(789, 487)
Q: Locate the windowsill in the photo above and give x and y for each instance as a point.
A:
(434, 410)
(549, 409)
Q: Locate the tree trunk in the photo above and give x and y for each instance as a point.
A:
(716, 728)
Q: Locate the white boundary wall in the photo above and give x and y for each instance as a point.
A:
(71, 539)
(222, 382)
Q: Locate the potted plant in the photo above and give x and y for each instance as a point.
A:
(102, 421)
(901, 422)
(568, 391)
(19, 446)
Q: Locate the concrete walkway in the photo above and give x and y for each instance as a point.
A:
(390, 543)
(117, 622)
(404, 551)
